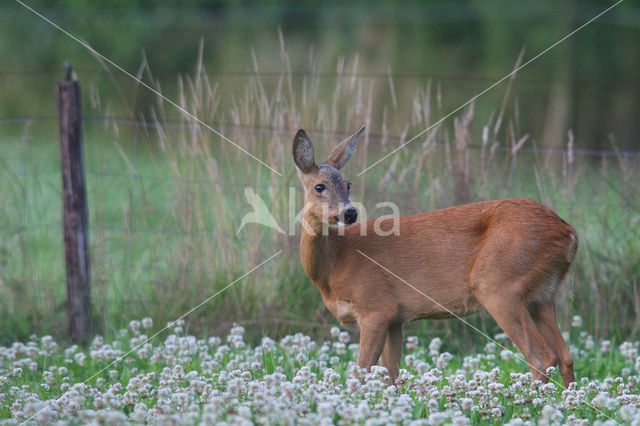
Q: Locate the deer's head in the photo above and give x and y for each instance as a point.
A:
(326, 191)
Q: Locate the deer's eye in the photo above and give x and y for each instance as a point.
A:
(348, 186)
(320, 188)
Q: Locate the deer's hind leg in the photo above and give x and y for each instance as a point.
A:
(509, 309)
(544, 316)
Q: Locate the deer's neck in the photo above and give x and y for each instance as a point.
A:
(318, 253)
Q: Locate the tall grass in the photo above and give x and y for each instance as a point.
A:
(166, 200)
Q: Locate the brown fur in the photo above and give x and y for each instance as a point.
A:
(505, 256)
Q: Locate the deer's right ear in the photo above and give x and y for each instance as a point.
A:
(303, 152)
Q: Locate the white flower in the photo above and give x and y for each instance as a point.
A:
(134, 326)
(576, 321)
(437, 418)
(434, 346)
(506, 355)
(343, 337)
(627, 413)
(460, 420)
(466, 403)
(147, 323)
(79, 358)
(353, 385)
(324, 409)
(412, 343)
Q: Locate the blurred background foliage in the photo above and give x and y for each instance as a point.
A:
(588, 83)
(166, 196)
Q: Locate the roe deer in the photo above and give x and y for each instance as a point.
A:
(505, 256)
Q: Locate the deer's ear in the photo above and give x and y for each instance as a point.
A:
(341, 153)
(303, 152)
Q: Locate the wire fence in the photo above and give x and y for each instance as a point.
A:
(129, 251)
(345, 74)
(286, 132)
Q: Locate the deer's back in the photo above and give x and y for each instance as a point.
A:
(437, 254)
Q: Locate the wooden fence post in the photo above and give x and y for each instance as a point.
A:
(75, 215)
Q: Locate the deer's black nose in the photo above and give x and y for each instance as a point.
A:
(350, 216)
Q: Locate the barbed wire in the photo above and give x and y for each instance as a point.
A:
(345, 74)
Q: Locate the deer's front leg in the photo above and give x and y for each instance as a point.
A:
(373, 334)
(393, 350)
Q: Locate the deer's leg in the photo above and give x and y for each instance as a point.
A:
(512, 316)
(373, 333)
(393, 350)
(545, 319)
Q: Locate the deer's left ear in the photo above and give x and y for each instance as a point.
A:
(303, 152)
(341, 153)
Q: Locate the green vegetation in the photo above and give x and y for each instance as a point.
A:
(588, 83)
(182, 379)
(166, 201)
(166, 197)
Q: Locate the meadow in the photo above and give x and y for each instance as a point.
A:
(166, 199)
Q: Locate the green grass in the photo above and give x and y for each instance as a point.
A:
(165, 204)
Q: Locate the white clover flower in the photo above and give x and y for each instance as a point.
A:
(506, 355)
(490, 347)
(134, 326)
(433, 405)
(147, 323)
(437, 418)
(412, 343)
(600, 401)
(443, 360)
(48, 377)
(628, 350)
(353, 385)
(325, 409)
(548, 388)
(627, 413)
(237, 330)
(397, 414)
(335, 331)
(576, 321)
(244, 411)
(466, 403)
(79, 358)
(344, 337)
(227, 384)
(214, 341)
(460, 420)
(434, 346)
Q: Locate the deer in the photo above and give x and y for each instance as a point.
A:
(507, 257)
